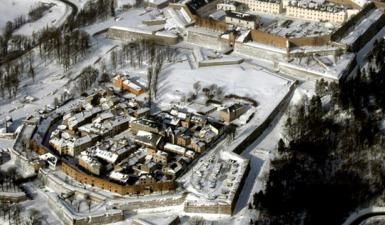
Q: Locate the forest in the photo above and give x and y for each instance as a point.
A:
(331, 161)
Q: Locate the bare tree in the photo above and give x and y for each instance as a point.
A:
(196, 221)
(31, 70)
(197, 87)
(35, 217)
(114, 60)
(87, 197)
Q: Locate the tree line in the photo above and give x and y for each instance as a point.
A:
(92, 12)
(331, 160)
(66, 48)
(143, 54)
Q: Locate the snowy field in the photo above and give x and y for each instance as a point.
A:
(51, 81)
(10, 9)
(243, 80)
(55, 16)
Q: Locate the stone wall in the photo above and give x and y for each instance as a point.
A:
(132, 35)
(138, 189)
(211, 24)
(260, 52)
(207, 41)
(215, 208)
(159, 201)
(38, 148)
(23, 163)
(14, 197)
(219, 62)
(207, 9)
(368, 34)
(69, 217)
(269, 39)
(259, 130)
(346, 27)
(309, 41)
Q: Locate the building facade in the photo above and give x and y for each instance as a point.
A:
(316, 15)
(265, 6)
(242, 20)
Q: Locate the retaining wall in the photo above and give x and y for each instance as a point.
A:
(261, 128)
(217, 208)
(137, 189)
(14, 197)
(269, 39)
(160, 201)
(126, 35)
(72, 218)
(346, 27)
(368, 34)
(211, 41)
(260, 52)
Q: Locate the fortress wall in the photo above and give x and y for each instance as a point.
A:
(127, 35)
(346, 27)
(72, 218)
(269, 39)
(309, 41)
(368, 34)
(211, 24)
(153, 203)
(207, 41)
(218, 208)
(138, 189)
(254, 51)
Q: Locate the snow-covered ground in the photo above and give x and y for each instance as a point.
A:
(51, 81)
(131, 18)
(242, 80)
(54, 17)
(10, 9)
(175, 80)
(6, 143)
(39, 203)
(362, 26)
(260, 153)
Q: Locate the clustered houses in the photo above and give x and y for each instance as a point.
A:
(121, 141)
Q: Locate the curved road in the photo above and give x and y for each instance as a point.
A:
(73, 6)
(363, 217)
(74, 12)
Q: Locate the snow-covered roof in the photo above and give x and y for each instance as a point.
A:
(118, 176)
(175, 148)
(147, 138)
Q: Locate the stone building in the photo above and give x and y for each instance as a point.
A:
(265, 6)
(90, 164)
(317, 12)
(232, 112)
(231, 6)
(127, 85)
(242, 20)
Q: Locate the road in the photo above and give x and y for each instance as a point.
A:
(73, 6)
(13, 56)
